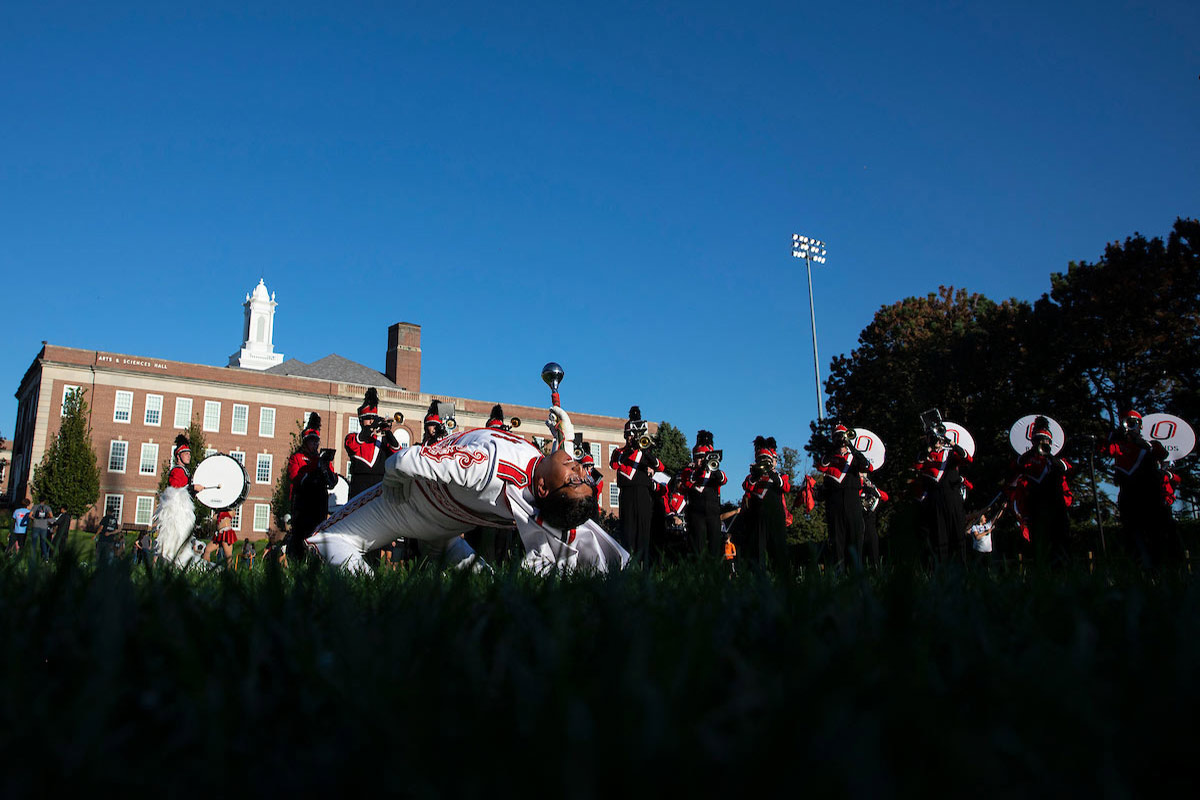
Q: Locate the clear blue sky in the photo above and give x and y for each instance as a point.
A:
(612, 188)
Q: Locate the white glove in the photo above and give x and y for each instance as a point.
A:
(561, 429)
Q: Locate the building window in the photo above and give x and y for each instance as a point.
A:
(66, 391)
(241, 419)
(183, 412)
(148, 465)
(212, 416)
(614, 495)
(402, 437)
(236, 522)
(123, 410)
(266, 423)
(117, 451)
(262, 469)
(238, 456)
(355, 425)
(113, 504)
(262, 517)
(612, 448)
(154, 410)
(210, 451)
(144, 512)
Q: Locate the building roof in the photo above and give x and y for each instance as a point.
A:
(334, 368)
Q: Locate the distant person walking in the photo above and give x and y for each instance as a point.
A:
(16, 540)
(62, 530)
(39, 529)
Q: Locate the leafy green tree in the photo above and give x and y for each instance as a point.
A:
(281, 499)
(197, 444)
(69, 475)
(672, 447)
(1129, 324)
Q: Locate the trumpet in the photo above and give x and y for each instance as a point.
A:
(383, 423)
(645, 442)
(515, 422)
(712, 461)
(398, 417)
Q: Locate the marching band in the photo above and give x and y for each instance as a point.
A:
(687, 508)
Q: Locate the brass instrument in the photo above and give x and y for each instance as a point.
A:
(645, 441)
(398, 417)
(712, 461)
(515, 422)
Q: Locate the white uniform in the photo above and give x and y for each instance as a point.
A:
(435, 493)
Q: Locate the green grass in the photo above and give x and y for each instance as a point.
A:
(679, 680)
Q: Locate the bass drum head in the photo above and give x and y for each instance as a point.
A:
(960, 436)
(1171, 432)
(870, 446)
(224, 482)
(1020, 435)
(339, 494)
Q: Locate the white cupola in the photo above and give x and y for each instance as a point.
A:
(257, 351)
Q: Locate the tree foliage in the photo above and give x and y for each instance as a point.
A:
(69, 475)
(672, 447)
(1108, 335)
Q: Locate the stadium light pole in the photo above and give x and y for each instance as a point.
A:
(812, 250)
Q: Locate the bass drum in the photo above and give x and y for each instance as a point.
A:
(960, 436)
(224, 482)
(1020, 435)
(871, 446)
(1171, 432)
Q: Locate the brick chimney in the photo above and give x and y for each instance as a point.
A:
(404, 356)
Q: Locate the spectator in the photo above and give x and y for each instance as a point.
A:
(248, 555)
(106, 536)
(20, 524)
(62, 529)
(39, 528)
(143, 549)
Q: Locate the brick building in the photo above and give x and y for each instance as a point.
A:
(248, 409)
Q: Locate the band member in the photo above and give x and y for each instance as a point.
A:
(175, 516)
(435, 493)
(871, 496)
(310, 470)
(635, 466)
(844, 468)
(496, 418)
(939, 487)
(1040, 494)
(1137, 472)
(368, 449)
(702, 487)
(435, 427)
(765, 517)
(589, 465)
(223, 538)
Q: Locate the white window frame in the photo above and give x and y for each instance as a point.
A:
(150, 448)
(112, 448)
(354, 425)
(612, 448)
(233, 421)
(62, 408)
(212, 405)
(402, 436)
(120, 506)
(144, 503)
(150, 398)
(180, 404)
(266, 430)
(210, 451)
(263, 458)
(128, 410)
(263, 511)
(236, 522)
(614, 495)
(238, 456)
